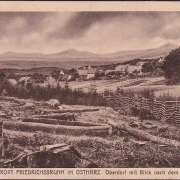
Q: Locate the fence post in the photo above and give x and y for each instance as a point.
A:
(140, 102)
(175, 110)
(4, 140)
(166, 116)
(113, 100)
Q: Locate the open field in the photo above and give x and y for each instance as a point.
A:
(139, 84)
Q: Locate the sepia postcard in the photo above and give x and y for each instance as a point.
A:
(89, 90)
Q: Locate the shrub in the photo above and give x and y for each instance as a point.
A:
(135, 110)
(145, 114)
(166, 97)
(171, 67)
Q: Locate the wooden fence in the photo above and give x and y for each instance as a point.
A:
(164, 110)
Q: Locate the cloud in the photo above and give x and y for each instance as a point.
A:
(101, 32)
(79, 24)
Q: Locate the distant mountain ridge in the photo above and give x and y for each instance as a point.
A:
(11, 53)
(70, 53)
(73, 54)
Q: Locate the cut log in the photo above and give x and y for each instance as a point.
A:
(95, 129)
(46, 111)
(18, 101)
(139, 143)
(143, 135)
(51, 147)
(58, 122)
(63, 116)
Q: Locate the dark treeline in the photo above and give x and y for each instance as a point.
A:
(65, 95)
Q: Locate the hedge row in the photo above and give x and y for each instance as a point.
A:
(99, 130)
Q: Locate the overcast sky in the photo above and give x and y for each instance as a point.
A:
(98, 32)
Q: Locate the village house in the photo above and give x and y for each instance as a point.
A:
(89, 67)
(91, 74)
(140, 63)
(61, 73)
(161, 59)
(160, 62)
(24, 80)
(60, 78)
(109, 71)
(135, 68)
(82, 74)
(52, 82)
(121, 68)
(66, 77)
(86, 74)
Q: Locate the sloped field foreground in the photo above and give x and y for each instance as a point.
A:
(118, 149)
(106, 152)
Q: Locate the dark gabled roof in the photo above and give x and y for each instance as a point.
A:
(60, 77)
(65, 77)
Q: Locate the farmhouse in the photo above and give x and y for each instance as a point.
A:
(121, 68)
(161, 59)
(140, 63)
(66, 77)
(82, 74)
(160, 62)
(60, 77)
(85, 74)
(52, 82)
(91, 74)
(131, 69)
(109, 71)
(24, 80)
